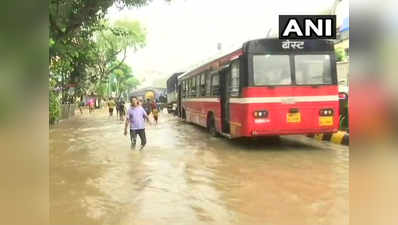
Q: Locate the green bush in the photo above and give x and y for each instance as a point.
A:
(340, 54)
(54, 107)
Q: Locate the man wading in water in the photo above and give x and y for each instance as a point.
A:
(136, 116)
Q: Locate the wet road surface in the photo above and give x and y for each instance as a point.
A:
(185, 176)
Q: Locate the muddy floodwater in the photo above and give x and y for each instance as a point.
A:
(184, 176)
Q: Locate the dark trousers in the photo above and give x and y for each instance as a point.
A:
(133, 136)
(122, 113)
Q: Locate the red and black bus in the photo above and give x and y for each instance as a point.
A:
(267, 87)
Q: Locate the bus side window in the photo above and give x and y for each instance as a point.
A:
(197, 85)
(203, 84)
(189, 87)
(208, 83)
(215, 85)
(234, 85)
(193, 87)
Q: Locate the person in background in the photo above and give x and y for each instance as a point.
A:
(148, 106)
(135, 118)
(80, 105)
(155, 111)
(117, 100)
(111, 105)
(91, 105)
(122, 111)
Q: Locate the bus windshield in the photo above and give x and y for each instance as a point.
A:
(313, 69)
(275, 70)
(271, 70)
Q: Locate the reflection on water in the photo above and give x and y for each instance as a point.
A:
(184, 176)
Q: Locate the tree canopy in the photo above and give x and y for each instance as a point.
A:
(84, 48)
(70, 17)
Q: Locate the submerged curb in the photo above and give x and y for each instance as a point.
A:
(341, 137)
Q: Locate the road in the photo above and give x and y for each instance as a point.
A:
(184, 176)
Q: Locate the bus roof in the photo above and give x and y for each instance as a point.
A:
(275, 45)
(174, 76)
(271, 45)
(209, 63)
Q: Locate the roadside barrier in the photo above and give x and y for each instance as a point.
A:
(341, 137)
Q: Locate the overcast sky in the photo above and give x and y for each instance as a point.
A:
(185, 32)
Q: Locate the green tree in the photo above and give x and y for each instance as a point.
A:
(114, 41)
(340, 54)
(76, 27)
(54, 107)
(124, 79)
(69, 18)
(90, 60)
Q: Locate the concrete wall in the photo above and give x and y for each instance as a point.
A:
(343, 69)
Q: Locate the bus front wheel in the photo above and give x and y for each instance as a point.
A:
(211, 126)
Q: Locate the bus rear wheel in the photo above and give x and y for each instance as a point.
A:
(183, 116)
(211, 126)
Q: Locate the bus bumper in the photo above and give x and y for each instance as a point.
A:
(256, 133)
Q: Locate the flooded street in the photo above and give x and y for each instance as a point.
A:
(185, 176)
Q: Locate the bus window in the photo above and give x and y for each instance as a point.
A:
(193, 87)
(271, 70)
(189, 88)
(234, 87)
(208, 77)
(215, 85)
(184, 89)
(313, 69)
(203, 84)
(197, 85)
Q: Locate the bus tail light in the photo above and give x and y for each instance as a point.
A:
(261, 114)
(326, 112)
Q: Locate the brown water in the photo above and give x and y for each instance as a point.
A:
(184, 176)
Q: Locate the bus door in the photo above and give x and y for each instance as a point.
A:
(224, 99)
(179, 93)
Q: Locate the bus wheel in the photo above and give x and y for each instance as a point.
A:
(275, 138)
(183, 117)
(211, 126)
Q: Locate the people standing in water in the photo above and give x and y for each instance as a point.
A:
(111, 105)
(135, 118)
(155, 111)
(91, 105)
(121, 109)
(80, 104)
(117, 108)
(147, 106)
